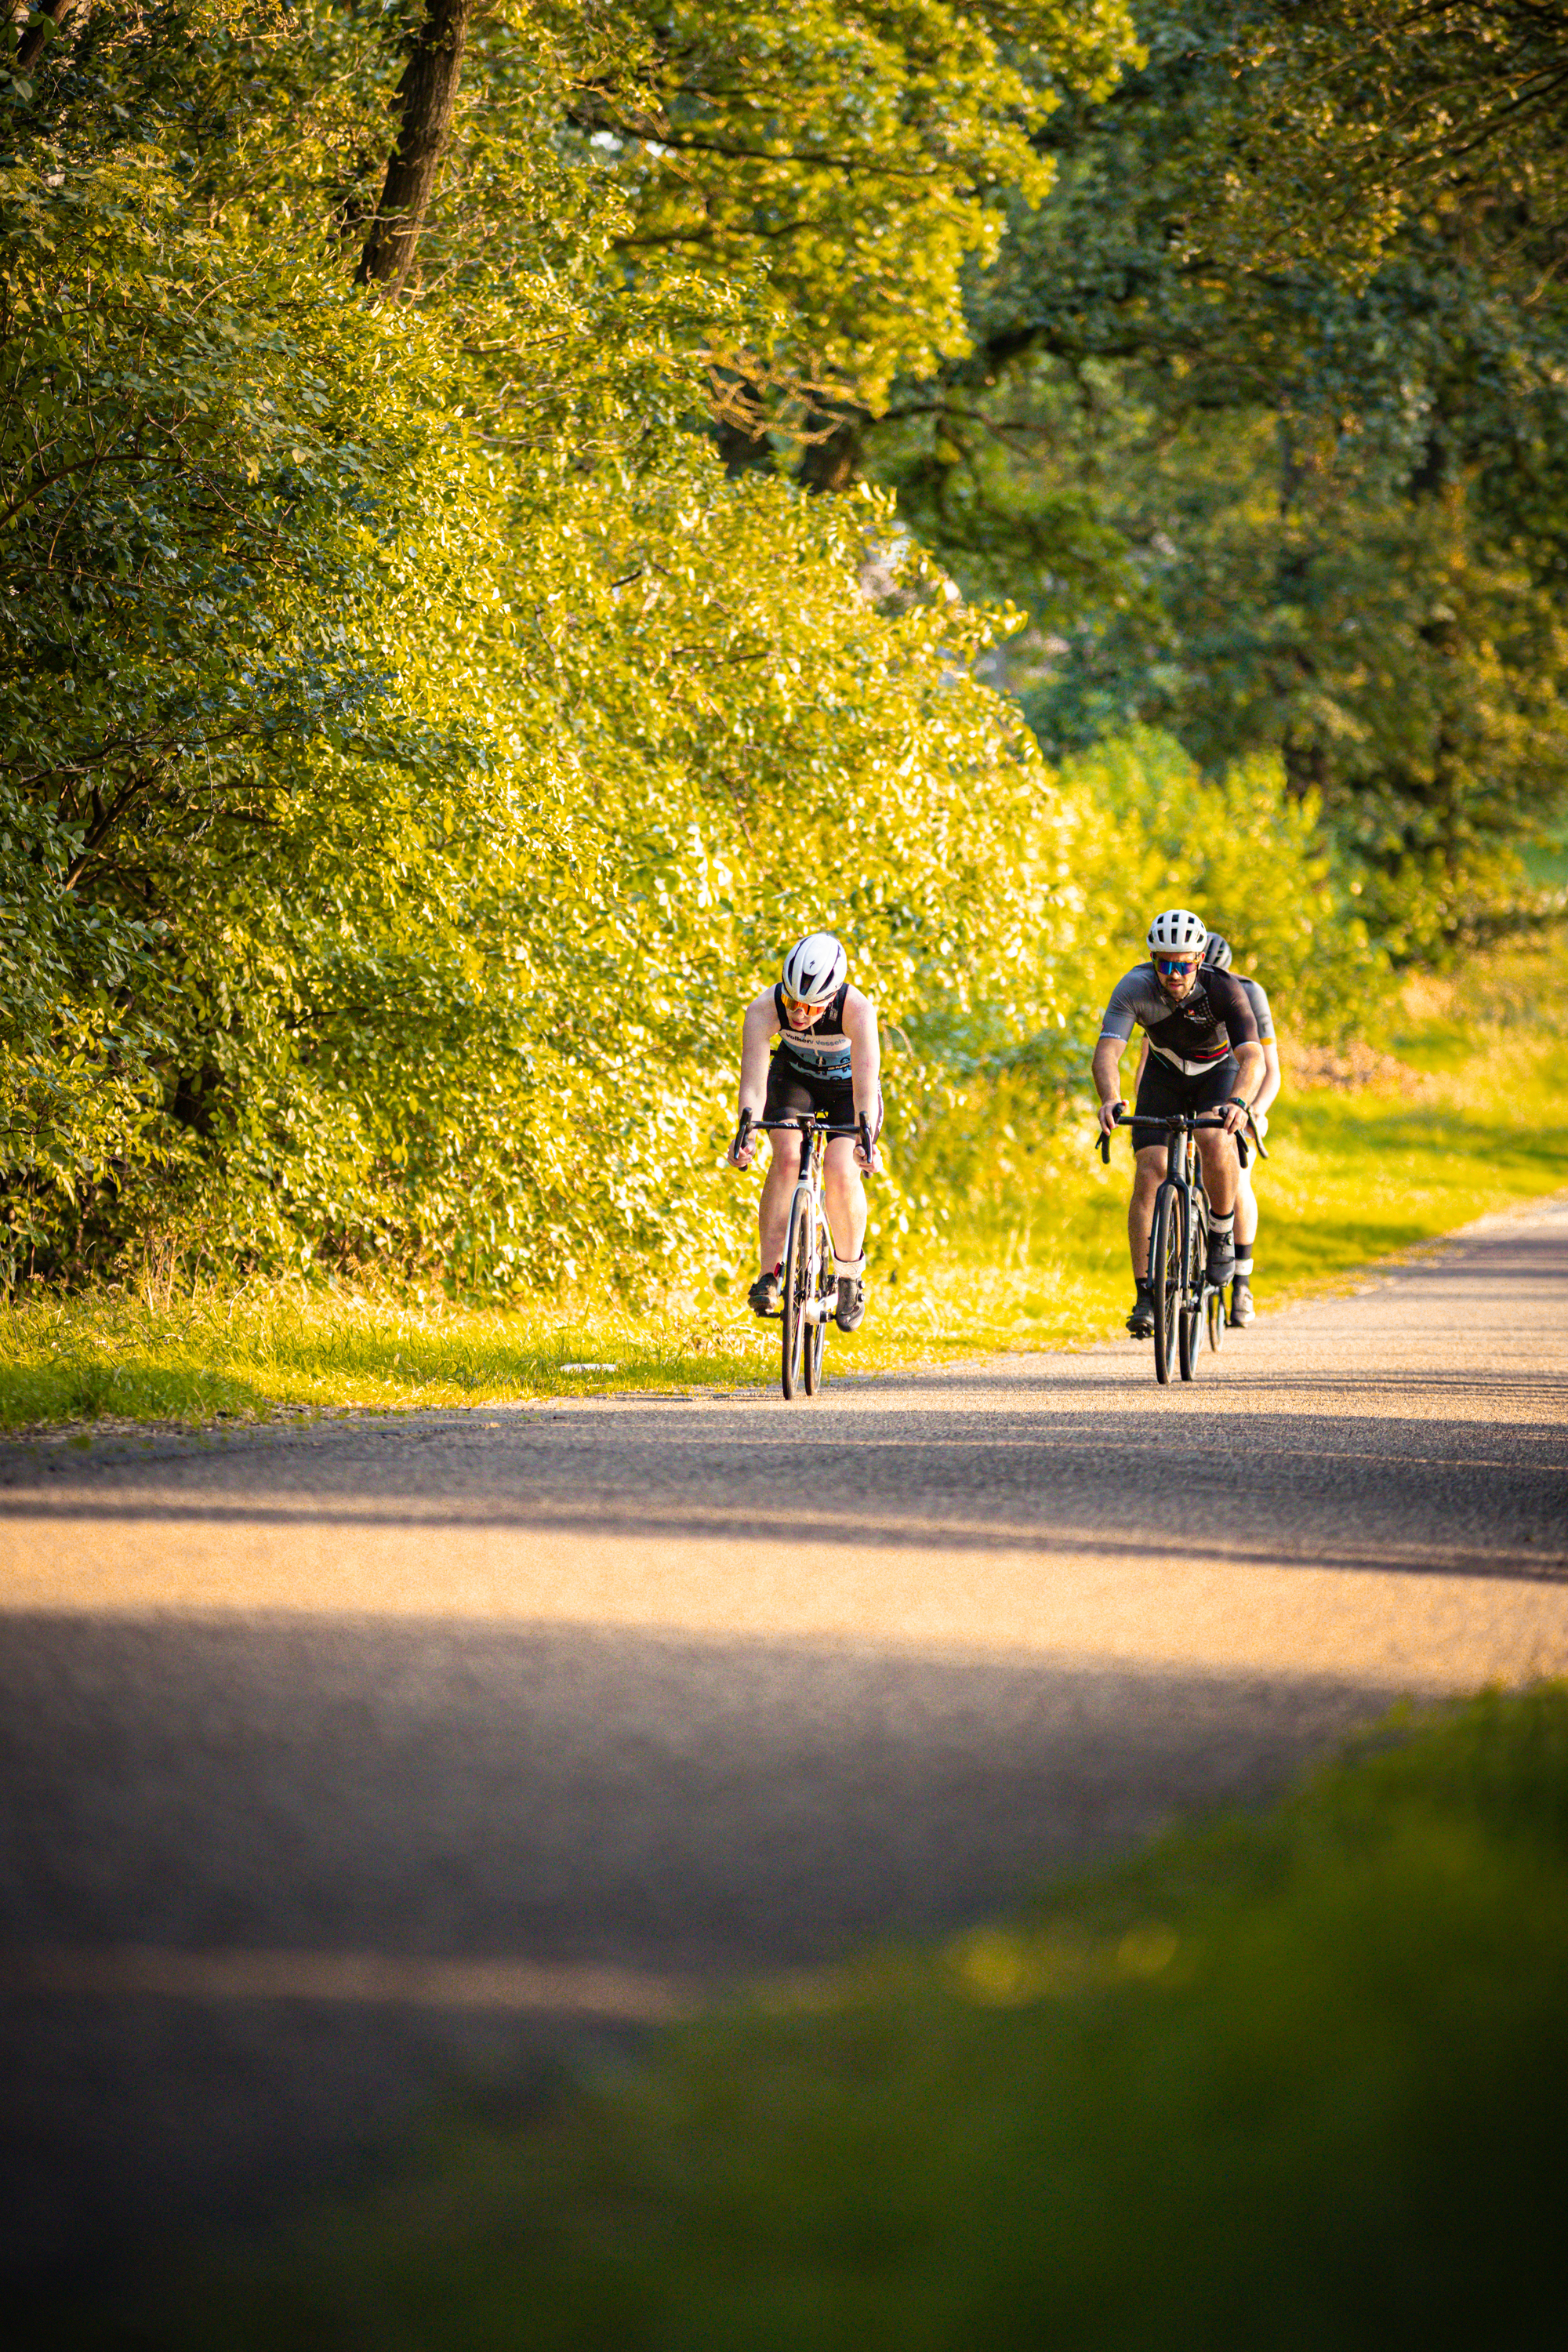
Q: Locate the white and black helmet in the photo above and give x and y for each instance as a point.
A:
(1178, 932)
(1216, 955)
(814, 970)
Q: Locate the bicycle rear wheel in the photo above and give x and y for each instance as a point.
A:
(816, 1333)
(1165, 1275)
(1216, 1319)
(1194, 1259)
(798, 1274)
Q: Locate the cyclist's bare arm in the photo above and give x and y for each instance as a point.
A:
(1108, 1080)
(859, 1019)
(1250, 1069)
(1270, 1087)
(758, 1030)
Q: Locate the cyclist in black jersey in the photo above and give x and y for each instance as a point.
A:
(1204, 1055)
(826, 1058)
(1217, 952)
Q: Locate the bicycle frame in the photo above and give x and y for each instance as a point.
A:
(810, 1283)
(1178, 1234)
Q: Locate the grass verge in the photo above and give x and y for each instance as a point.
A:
(1295, 2080)
(1471, 1122)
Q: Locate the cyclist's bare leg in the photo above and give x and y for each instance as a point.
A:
(1150, 1171)
(778, 1190)
(1221, 1168)
(845, 1199)
(1246, 1212)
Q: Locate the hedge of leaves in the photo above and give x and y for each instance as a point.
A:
(414, 745)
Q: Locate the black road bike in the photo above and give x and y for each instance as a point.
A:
(1184, 1299)
(810, 1293)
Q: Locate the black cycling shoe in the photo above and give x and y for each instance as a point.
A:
(850, 1311)
(1222, 1261)
(1241, 1307)
(763, 1296)
(1141, 1322)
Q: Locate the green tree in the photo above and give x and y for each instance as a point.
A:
(1267, 500)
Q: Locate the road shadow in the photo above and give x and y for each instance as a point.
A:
(698, 1809)
(1417, 1489)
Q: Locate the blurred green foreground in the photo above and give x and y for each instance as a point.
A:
(1293, 2080)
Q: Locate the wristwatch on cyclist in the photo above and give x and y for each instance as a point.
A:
(1241, 1103)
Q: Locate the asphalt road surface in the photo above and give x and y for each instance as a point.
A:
(342, 1761)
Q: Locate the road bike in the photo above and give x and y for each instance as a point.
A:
(1184, 1299)
(810, 1289)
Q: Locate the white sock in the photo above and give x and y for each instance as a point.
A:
(848, 1269)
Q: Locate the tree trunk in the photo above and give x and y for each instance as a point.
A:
(58, 17)
(742, 452)
(832, 462)
(428, 98)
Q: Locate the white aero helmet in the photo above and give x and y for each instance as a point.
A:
(814, 970)
(1178, 932)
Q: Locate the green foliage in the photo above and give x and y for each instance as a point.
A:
(419, 797)
(413, 746)
(1231, 2091)
(1262, 497)
(851, 159)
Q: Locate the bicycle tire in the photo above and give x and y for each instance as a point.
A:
(1195, 1257)
(1165, 1276)
(798, 1277)
(816, 1333)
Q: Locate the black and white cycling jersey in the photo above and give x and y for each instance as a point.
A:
(823, 1050)
(1190, 1036)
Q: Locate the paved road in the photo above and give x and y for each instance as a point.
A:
(341, 1759)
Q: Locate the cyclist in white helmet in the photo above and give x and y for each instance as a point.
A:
(826, 1058)
(1204, 1055)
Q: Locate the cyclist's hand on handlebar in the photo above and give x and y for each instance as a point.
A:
(1108, 1116)
(1260, 1121)
(745, 1142)
(1233, 1115)
(867, 1159)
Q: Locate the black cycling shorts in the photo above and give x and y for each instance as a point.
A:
(1162, 1091)
(793, 1092)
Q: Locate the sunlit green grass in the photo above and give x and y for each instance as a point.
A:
(1478, 1124)
(1296, 2080)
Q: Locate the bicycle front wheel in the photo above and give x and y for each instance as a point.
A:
(822, 1290)
(799, 1275)
(1165, 1273)
(1216, 1319)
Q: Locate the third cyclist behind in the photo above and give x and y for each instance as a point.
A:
(1217, 954)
